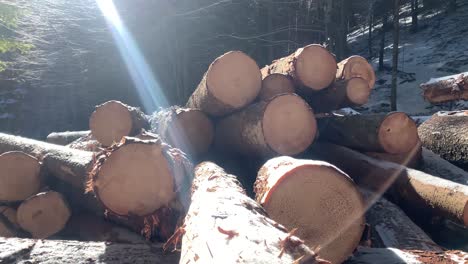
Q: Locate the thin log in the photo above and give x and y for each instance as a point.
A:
(232, 82)
(446, 89)
(356, 66)
(419, 194)
(283, 125)
(65, 138)
(293, 192)
(275, 84)
(224, 225)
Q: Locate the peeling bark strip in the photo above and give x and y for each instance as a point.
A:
(341, 94)
(224, 225)
(418, 193)
(283, 125)
(312, 66)
(393, 133)
(450, 88)
(318, 199)
(356, 66)
(187, 129)
(65, 138)
(445, 133)
(113, 120)
(232, 81)
(275, 84)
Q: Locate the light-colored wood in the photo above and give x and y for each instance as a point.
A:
(447, 89)
(356, 66)
(275, 84)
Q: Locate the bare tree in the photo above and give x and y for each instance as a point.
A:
(382, 41)
(371, 23)
(396, 40)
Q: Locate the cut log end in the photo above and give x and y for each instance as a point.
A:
(356, 66)
(318, 199)
(19, 176)
(357, 90)
(125, 192)
(398, 133)
(289, 124)
(275, 84)
(315, 67)
(234, 79)
(10, 216)
(110, 122)
(44, 214)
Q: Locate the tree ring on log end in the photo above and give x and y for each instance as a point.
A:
(234, 79)
(289, 125)
(357, 66)
(19, 176)
(275, 84)
(315, 66)
(398, 133)
(358, 91)
(135, 180)
(110, 122)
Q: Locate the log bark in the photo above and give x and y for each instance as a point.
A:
(275, 84)
(8, 222)
(446, 89)
(343, 93)
(232, 82)
(65, 138)
(445, 134)
(419, 194)
(43, 214)
(19, 176)
(113, 120)
(293, 193)
(16, 250)
(412, 159)
(224, 225)
(86, 143)
(435, 165)
(393, 133)
(283, 125)
(187, 129)
(312, 67)
(356, 66)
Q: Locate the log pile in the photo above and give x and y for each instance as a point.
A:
(131, 177)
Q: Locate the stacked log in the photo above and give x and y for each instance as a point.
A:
(65, 138)
(446, 89)
(356, 66)
(275, 84)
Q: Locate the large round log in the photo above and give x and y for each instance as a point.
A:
(65, 138)
(19, 176)
(393, 133)
(275, 84)
(43, 214)
(312, 67)
(356, 66)
(445, 133)
(113, 120)
(8, 222)
(343, 93)
(446, 89)
(282, 125)
(224, 225)
(419, 194)
(232, 82)
(187, 129)
(318, 199)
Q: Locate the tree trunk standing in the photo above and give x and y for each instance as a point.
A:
(341, 30)
(371, 23)
(382, 41)
(452, 5)
(396, 40)
(414, 15)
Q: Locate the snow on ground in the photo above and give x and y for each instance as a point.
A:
(438, 49)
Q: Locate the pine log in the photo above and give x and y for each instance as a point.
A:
(275, 84)
(393, 133)
(224, 225)
(318, 199)
(445, 133)
(189, 130)
(232, 82)
(343, 93)
(8, 222)
(412, 159)
(19, 176)
(86, 143)
(419, 194)
(65, 138)
(312, 67)
(113, 120)
(435, 165)
(283, 125)
(446, 89)
(16, 250)
(356, 66)
(43, 214)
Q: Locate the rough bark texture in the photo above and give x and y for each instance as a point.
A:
(435, 165)
(224, 225)
(445, 133)
(8, 223)
(446, 89)
(412, 159)
(418, 193)
(16, 250)
(363, 132)
(65, 138)
(86, 143)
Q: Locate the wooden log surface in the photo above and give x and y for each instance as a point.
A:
(224, 225)
(8, 222)
(67, 137)
(412, 159)
(275, 84)
(446, 89)
(356, 66)
(435, 165)
(86, 143)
